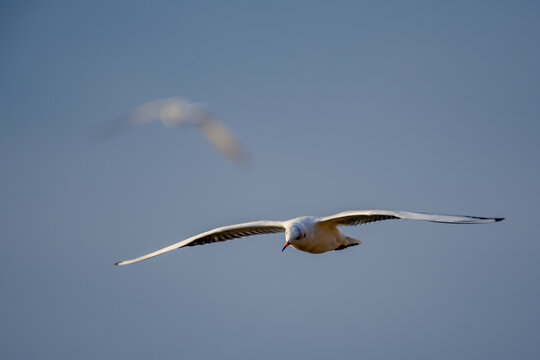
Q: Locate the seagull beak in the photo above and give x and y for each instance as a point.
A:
(285, 246)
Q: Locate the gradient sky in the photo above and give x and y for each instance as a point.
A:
(419, 105)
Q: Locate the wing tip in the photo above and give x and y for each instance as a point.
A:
(499, 219)
(118, 263)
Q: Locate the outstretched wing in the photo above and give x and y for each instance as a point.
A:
(360, 217)
(170, 111)
(216, 235)
(222, 138)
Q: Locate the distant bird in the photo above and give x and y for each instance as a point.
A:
(175, 112)
(314, 235)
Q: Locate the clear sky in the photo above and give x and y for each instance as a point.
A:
(419, 105)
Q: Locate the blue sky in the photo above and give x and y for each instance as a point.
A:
(421, 106)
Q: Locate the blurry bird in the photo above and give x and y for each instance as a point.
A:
(312, 234)
(175, 112)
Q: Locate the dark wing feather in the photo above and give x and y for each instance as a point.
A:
(235, 234)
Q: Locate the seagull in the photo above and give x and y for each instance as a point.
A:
(172, 113)
(314, 235)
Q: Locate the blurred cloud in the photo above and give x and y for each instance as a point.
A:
(173, 113)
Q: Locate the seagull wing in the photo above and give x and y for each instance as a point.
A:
(222, 138)
(170, 111)
(220, 234)
(360, 217)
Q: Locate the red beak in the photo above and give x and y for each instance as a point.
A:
(284, 247)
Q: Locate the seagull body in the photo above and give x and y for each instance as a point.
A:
(175, 112)
(310, 234)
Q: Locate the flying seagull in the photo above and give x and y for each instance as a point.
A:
(314, 235)
(172, 113)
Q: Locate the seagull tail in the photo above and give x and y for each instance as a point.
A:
(350, 242)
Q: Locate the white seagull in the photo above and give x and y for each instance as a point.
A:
(314, 235)
(175, 112)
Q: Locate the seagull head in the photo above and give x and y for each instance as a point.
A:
(294, 235)
(172, 114)
(177, 111)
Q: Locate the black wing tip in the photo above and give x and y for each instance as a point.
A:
(499, 219)
(117, 263)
